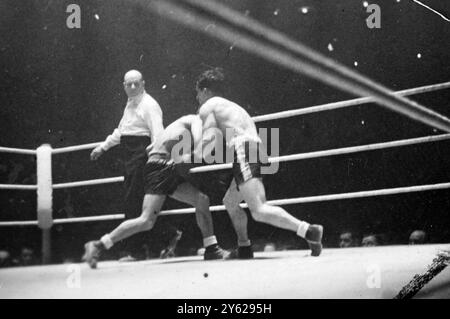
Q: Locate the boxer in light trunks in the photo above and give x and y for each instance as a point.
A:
(239, 130)
(162, 179)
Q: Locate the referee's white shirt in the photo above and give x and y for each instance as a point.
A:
(142, 117)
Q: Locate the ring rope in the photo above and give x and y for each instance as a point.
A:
(75, 148)
(18, 187)
(90, 182)
(17, 150)
(286, 158)
(296, 112)
(287, 201)
(332, 152)
(347, 103)
(300, 58)
(283, 114)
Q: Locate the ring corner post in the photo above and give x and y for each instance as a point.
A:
(45, 198)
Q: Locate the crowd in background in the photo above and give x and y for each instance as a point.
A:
(27, 256)
(178, 236)
(71, 94)
(22, 206)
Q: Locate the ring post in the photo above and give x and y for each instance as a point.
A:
(45, 198)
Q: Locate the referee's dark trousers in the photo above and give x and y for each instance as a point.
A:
(135, 159)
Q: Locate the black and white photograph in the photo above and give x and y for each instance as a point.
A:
(224, 154)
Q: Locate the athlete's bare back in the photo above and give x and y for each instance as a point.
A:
(172, 134)
(230, 118)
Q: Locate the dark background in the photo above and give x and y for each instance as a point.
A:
(64, 87)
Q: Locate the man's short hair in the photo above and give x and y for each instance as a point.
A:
(213, 79)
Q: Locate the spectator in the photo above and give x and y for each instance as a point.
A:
(418, 237)
(269, 247)
(371, 241)
(5, 259)
(347, 239)
(26, 257)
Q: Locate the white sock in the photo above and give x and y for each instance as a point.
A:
(302, 229)
(107, 241)
(244, 243)
(208, 241)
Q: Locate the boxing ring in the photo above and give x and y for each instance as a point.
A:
(297, 275)
(337, 273)
(395, 261)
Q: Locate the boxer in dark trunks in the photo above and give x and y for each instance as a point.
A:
(161, 180)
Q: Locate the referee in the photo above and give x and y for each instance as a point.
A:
(140, 124)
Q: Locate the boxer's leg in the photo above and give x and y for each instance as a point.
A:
(188, 194)
(255, 196)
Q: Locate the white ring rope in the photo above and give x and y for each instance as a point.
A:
(89, 182)
(338, 151)
(278, 115)
(17, 150)
(278, 48)
(75, 148)
(286, 158)
(297, 112)
(287, 201)
(18, 187)
(347, 103)
(19, 223)
(260, 118)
